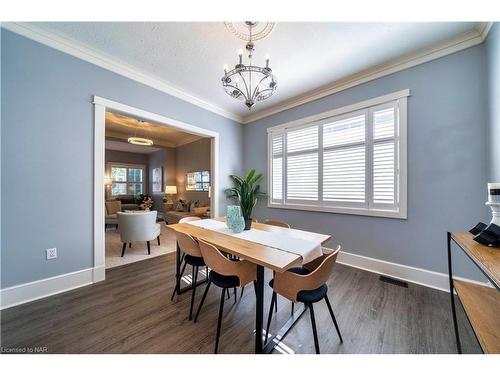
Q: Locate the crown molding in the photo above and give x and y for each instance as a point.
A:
(75, 49)
(466, 40)
(463, 41)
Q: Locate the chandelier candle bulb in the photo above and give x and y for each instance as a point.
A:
(225, 68)
(267, 61)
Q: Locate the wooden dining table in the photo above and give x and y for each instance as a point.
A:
(263, 257)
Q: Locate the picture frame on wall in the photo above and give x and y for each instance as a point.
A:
(157, 180)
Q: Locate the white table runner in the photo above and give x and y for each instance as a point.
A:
(307, 249)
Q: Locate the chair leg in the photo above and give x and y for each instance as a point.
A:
(270, 316)
(116, 226)
(105, 227)
(219, 320)
(333, 318)
(315, 333)
(193, 285)
(293, 305)
(178, 281)
(228, 296)
(234, 294)
(149, 248)
(242, 289)
(202, 301)
(129, 245)
(123, 249)
(158, 238)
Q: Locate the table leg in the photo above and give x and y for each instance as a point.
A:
(259, 308)
(452, 297)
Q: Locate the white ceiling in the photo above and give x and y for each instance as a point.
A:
(304, 56)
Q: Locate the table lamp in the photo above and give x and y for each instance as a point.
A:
(169, 191)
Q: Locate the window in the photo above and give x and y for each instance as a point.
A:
(350, 160)
(126, 179)
(198, 181)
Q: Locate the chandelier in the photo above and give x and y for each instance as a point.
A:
(250, 83)
(140, 141)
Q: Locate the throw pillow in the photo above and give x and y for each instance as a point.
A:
(179, 206)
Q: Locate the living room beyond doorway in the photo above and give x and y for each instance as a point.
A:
(155, 175)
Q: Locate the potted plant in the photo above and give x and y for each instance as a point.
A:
(246, 191)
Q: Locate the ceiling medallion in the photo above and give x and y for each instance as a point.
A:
(250, 83)
(139, 141)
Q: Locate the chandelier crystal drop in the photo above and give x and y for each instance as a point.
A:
(250, 83)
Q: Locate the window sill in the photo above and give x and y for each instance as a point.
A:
(401, 214)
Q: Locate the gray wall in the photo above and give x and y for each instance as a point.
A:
(193, 157)
(47, 153)
(493, 66)
(128, 158)
(164, 158)
(447, 163)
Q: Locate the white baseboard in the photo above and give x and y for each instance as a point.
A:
(23, 293)
(19, 294)
(431, 279)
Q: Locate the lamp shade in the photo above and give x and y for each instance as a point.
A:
(170, 189)
(107, 181)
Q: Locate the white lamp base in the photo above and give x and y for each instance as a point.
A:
(495, 212)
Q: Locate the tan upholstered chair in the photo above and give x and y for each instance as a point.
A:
(277, 223)
(307, 285)
(224, 273)
(138, 226)
(193, 257)
(112, 208)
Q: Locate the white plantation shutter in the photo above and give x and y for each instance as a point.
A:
(384, 157)
(349, 163)
(344, 160)
(302, 164)
(277, 167)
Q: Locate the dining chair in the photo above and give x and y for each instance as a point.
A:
(225, 274)
(277, 223)
(187, 219)
(138, 226)
(306, 284)
(193, 257)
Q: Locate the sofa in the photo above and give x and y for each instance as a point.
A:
(172, 213)
(128, 202)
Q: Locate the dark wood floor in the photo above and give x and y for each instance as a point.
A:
(131, 312)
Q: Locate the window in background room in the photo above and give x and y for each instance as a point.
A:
(350, 160)
(126, 179)
(198, 181)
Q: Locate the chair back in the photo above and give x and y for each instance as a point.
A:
(214, 259)
(137, 226)
(321, 268)
(188, 244)
(188, 219)
(112, 207)
(289, 284)
(277, 223)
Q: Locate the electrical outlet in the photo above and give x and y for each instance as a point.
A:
(51, 253)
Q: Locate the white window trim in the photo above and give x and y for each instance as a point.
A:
(127, 165)
(401, 98)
